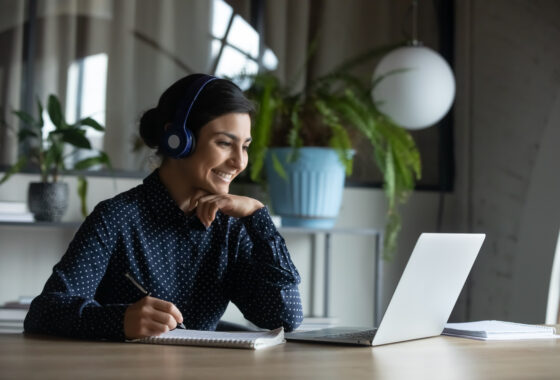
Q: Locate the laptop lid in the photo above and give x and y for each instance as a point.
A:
(429, 287)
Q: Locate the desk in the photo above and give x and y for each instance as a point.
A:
(42, 357)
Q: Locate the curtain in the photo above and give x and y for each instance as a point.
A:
(11, 46)
(133, 36)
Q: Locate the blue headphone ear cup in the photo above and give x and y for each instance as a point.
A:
(177, 143)
(190, 143)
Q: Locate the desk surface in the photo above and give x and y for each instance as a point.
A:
(26, 357)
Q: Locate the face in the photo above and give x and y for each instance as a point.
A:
(220, 153)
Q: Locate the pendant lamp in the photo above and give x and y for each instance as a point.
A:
(414, 85)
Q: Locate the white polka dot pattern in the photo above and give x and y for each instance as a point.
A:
(143, 231)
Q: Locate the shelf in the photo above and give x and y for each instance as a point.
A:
(41, 224)
(334, 230)
(290, 230)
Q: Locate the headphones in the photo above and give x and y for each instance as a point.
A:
(178, 141)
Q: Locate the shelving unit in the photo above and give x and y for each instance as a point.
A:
(42, 224)
(375, 234)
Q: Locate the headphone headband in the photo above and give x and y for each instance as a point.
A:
(179, 141)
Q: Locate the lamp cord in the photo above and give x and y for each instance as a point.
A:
(414, 22)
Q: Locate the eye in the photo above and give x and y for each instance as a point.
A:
(224, 143)
(245, 147)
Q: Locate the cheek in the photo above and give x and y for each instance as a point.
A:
(204, 156)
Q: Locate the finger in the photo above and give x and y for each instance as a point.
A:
(209, 197)
(154, 328)
(164, 318)
(198, 195)
(231, 205)
(192, 205)
(204, 211)
(201, 213)
(211, 204)
(168, 308)
(212, 210)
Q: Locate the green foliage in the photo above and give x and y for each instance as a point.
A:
(49, 151)
(334, 110)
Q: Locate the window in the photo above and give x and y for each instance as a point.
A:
(235, 45)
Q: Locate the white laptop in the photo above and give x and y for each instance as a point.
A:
(424, 298)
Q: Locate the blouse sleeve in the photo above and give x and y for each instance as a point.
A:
(264, 283)
(66, 306)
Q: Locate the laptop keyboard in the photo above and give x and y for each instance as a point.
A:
(359, 335)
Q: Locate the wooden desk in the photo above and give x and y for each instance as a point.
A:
(27, 357)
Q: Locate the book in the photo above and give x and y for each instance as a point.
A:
(12, 314)
(11, 211)
(16, 217)
(11, 319)
(498, 330)
(13, 207)
(251, 340)
(22, 302)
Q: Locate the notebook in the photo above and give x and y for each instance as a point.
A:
(424, 298)
(251, 340)
(499, 330)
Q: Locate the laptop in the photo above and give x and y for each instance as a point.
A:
(424, 298)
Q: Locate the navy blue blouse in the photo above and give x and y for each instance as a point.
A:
(144, 232)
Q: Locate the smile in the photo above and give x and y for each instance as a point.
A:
(223, 175)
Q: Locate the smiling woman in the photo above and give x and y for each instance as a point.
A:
(180, 234)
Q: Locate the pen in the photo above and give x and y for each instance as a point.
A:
(146, 293)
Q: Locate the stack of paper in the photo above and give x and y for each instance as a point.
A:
(498, 330)
(14, 212)
(12, 315)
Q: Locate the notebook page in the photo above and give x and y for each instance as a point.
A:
(209, 335)
(254, 340)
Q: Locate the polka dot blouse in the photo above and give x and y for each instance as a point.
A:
(142, 231)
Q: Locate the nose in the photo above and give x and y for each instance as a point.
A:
(238, 158)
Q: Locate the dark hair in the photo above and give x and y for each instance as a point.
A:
(218, 98)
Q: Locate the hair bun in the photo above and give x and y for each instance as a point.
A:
(151, 128)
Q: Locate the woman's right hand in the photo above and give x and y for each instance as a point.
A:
(150, 316)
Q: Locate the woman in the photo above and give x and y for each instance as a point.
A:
(180, 235)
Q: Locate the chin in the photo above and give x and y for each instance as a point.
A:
(220, 190)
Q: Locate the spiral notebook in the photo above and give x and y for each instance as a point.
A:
(499, 330)
(251, 340)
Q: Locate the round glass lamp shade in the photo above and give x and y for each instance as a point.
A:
(418, 88)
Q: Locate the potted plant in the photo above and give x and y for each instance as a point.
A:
(328, 115)
(48, 199)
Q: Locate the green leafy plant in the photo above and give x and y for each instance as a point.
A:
(333, 111)
(48, 151)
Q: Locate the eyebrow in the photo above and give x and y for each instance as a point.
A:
(234, 137)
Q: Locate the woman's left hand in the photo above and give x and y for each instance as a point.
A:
(232, 205)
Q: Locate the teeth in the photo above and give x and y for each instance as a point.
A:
(223, 175)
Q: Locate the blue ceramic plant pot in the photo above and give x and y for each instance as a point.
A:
(311, 194)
